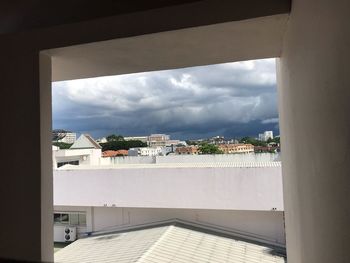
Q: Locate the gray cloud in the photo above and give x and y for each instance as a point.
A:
(232, 99)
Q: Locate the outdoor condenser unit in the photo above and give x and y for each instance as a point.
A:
(70, 234)
(65, 233)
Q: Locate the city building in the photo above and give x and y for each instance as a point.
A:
(69, 138)
(217, 140)
(175, 142)
(102, 140)
(84, 151)
(236, 148)
(158, 140)
(63, 136)
(187, 150)
(265, 136)
(145, 151)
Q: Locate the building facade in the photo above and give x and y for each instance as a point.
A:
(69, 138)
(145, 151)
(265, 136)
(136, 138)
(84, 151)
(192, 149)
(236, 148)
(158, 140)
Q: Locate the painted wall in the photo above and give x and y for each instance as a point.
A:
(24, 104)
(184, 187)
(213, 158)
(84, 156)
(267, 225)
(314, 112)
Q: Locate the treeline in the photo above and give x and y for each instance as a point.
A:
(117, 142)
(256, 142)
(122, 145)
(206, 148)
(62, 145)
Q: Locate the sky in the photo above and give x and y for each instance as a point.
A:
(232, 100)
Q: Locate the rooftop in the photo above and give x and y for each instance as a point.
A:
(174, 242)
(175, 165)
(85, 141)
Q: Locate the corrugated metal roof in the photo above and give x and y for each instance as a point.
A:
(177, 165)
(166, 244)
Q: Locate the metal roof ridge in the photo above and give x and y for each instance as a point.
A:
(201, 227)
(155, 244)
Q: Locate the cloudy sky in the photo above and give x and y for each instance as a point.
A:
(231, 99)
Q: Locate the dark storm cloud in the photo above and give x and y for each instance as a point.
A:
(232, 99)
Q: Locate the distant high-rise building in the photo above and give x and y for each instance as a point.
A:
(266, 135)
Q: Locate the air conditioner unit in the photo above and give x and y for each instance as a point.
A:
(70, 234)
(60, 234)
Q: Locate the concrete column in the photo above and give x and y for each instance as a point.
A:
(314, 92)
(25, 190)
(46, 158)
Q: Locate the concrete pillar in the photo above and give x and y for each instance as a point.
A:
(314, 92)
(25, 190)
(46, 158)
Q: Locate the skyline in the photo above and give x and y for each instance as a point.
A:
(232, 99)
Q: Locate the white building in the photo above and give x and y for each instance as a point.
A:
(136, 138)
(266, 135)
(145, 151)
(69, 138)
(158, 140)
(85, 151)
(64, 136)
(102, 140)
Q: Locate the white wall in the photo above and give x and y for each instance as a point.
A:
(86, 209)
(263, 224)
(218, 158)
(185, 187)
(314, 81)
(203, 158)
(84, 156)
(19, 66)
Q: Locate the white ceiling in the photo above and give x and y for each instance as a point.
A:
(226, 42)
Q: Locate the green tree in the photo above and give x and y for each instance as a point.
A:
(206, 148)
(122, 145)
(252, 141)
(189, 142)
(114, 137)
(269, 140)
(276, 140)
(62, 145)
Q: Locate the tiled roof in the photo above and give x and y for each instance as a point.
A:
(111, 153)
(166, 244)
